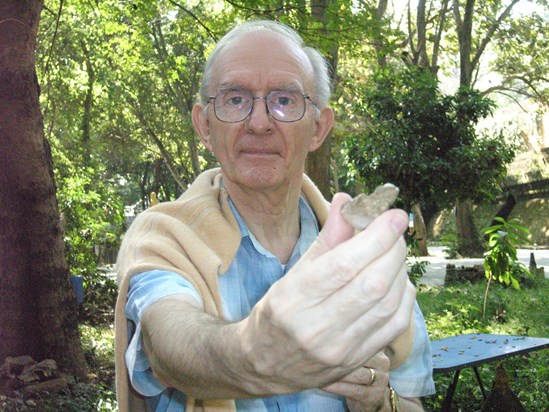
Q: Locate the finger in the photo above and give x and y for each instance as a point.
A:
(378, 288)
(372, 283)
(385, 331)
(348, 390)
(363, 375)
(337, 267)
(377, 327)
(359, 392)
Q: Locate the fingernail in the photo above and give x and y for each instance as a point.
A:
(399, 222)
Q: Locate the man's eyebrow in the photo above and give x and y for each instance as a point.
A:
(289, 87)
(224, 87)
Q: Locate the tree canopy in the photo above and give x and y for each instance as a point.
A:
(119, 79)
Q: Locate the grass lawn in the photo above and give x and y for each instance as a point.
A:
(457, 310)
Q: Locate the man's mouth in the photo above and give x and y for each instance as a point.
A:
(259, 152)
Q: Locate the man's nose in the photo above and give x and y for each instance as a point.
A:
(259, 119)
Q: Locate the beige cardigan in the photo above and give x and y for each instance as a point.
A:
(197, 237)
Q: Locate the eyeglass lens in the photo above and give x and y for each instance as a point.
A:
(236, 105)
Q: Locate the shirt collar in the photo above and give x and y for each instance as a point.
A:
(308, 230)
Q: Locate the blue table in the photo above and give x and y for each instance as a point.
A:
(462, 351)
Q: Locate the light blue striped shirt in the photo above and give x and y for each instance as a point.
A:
(251, 274)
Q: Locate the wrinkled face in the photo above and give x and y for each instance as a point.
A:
(261, 153)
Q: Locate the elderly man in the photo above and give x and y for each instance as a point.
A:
(231, 298)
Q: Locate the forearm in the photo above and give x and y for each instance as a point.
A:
(208, 358)
(196, 353)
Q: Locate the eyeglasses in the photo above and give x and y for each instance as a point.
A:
(232, 106)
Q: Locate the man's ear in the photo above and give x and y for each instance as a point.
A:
(201, 124)
(324, 124)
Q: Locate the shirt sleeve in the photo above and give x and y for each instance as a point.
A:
(145, 289)
(414, 378)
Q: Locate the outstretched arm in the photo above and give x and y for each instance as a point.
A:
(345, 300)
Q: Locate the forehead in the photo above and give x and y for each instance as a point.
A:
(261, 61)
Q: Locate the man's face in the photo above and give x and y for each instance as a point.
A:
(261, 153)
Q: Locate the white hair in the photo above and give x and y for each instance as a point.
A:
(320, 65)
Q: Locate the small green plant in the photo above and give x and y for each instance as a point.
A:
(500, 259)
(416, 269)
(416, 266)
(450, 242)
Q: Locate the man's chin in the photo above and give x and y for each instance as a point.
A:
(261, 178)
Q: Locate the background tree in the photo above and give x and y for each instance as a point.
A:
(482, 19)
(412, 137)
(37, 303)
(472, 30)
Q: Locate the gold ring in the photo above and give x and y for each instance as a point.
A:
(372, 376)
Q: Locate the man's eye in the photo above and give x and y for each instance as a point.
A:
(284, 100)
(235, 100)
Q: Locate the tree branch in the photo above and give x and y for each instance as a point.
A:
(195, 17)
(510, 96)
(457, 15)
(50, 52)
(438, 35)
(491, 32)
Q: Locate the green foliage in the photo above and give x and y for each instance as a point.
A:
(93, 215)
(451, 243)
(417, 268)
(100, 292)
(423, 141)
(98, 344)
(118, 84)
(522, 45)
(500, 259)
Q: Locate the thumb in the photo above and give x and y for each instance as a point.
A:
(335, 231)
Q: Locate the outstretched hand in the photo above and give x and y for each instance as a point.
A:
(346, 299)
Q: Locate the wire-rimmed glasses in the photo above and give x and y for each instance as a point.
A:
(232, 106)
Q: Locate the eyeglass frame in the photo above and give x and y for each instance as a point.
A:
(254, 98)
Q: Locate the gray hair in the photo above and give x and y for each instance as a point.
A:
(320, 65)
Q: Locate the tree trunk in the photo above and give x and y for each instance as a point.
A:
(318, 162)
(379, 40)
(420, 232)
(422, 58)
(88, 103)
(317, 167)
(469, 243)
(38, 313)
(464, 25)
